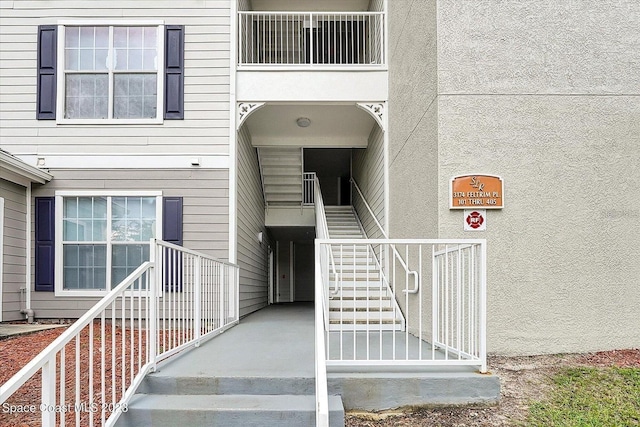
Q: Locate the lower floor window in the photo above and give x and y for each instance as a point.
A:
(105, 238)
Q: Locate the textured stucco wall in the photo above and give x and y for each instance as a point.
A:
(547, 95)
(412, 119)
(563, 271)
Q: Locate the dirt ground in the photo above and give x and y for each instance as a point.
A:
(523, 379)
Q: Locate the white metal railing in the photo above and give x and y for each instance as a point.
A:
(323, 263)
(384, 234)
(311, 38)
(175, 301)
(445, 318)
(308, 188)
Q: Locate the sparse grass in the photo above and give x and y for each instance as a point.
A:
(588, 396)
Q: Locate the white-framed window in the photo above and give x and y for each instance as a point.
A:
(110, 73)
(102, 238)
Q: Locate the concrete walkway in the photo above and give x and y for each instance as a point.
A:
(13, 329)
(275, 342)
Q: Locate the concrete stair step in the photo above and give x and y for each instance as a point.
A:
(351, 304)
(227, 410)
(372, 308)
(371, 321)
(203, 385)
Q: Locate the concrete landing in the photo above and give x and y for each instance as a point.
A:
(254, 371)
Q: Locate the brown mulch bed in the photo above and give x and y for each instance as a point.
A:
(523, 379)
(17, 351)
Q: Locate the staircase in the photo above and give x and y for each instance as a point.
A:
(364, 297)
(281, 170)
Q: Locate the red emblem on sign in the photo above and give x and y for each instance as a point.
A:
(475, 219)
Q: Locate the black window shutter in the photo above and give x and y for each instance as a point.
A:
(45, 243)
(47, 57)
(172, 233)
(174, 72)
(172, 220)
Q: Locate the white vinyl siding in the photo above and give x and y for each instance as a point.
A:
(368, 171)
(205, 217)
(205, 128)
(252, 256)
(14, 249)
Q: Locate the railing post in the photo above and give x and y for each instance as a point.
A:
(311, 39)
(483, 307)
(48, 391)
(155, 278)
(197, 300)
(222, 286)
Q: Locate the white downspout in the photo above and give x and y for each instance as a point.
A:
(27, 310)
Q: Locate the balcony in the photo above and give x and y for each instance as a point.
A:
(319, 40)
(302, 56)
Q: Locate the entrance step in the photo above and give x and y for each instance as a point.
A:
(228, 410)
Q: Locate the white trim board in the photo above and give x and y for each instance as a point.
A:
(165, 161)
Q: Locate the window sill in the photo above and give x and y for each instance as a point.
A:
(110, 122)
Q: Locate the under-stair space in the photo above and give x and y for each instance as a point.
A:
(281, 170)
(360, 295)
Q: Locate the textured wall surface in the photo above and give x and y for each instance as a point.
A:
(563, 271)
(547, 95)
(542, 46)
(412, 119)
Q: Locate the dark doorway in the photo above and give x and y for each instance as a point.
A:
(333, 169)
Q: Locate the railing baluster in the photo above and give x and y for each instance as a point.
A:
(48, 393)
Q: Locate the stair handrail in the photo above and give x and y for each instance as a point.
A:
(151, 283)
(47, 357)
(386, 236)
(322, 232)
(321, 309)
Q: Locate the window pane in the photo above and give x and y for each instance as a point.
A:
(84, 219)
(150, 37)
(134, 59)
(135, 37)
(72, 59)
(148, 207)
(136, 48)
(135, 96)
(70, 207)
(149, 61)
(120, 36)
(84, 267)
(85, 207)
(72, 36)
(87, 37)
(125, 259)
(87, 59)
(101, 59)
(102, 37)
(87, 96)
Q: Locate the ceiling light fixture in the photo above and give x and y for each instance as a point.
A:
(303, 122)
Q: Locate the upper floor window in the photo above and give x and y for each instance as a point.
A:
(111, 72)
